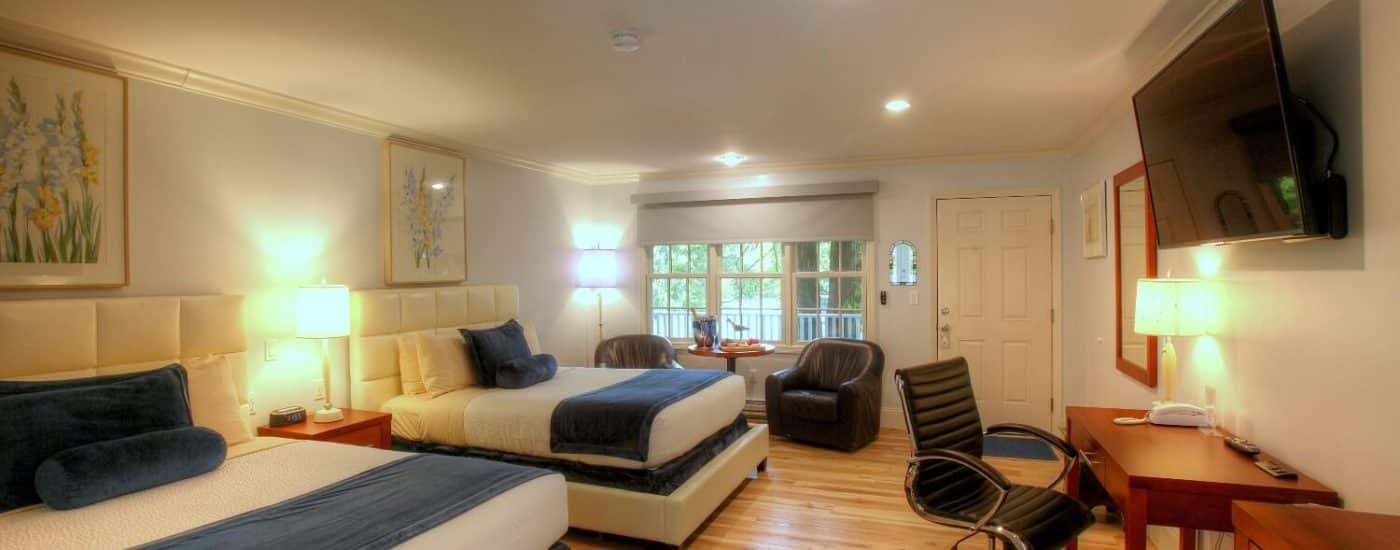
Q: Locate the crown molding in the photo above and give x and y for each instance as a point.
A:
(851, 163)
(1187, 36)
(49, 43)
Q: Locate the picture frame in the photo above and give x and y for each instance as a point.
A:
(63, 174)
(1093, 230)
(425, 226)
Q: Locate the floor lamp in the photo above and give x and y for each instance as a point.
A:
(323, 312)
(597, 269)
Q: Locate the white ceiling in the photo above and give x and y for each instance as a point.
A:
(781, 81)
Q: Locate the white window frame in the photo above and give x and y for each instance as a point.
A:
(788, 279)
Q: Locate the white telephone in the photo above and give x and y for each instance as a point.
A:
(1170, 414)
(1178, 414)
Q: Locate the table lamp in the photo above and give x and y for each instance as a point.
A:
(597, 269)
(1167, 308)
(323, 312)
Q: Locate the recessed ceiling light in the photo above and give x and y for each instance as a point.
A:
(897, 105)
(626, 40)
(731, 159)
(439, 186)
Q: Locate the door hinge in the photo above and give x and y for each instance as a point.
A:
(1052, 315)
(1052, 227)
(1052, 404)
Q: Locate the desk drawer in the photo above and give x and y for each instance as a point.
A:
(1108, 472)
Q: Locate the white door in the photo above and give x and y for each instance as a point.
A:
(994, 302)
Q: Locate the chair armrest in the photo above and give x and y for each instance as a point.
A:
(786, 379)
(965, 460)
(1070, 453)
(1059, 444)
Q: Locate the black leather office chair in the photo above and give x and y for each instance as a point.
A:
(948, 483)
(636, 351)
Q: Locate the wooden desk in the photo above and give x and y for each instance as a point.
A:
(1180, 477)
(1287, 527)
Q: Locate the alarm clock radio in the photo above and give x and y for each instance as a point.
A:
(287, 415)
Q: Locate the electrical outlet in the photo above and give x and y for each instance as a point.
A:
(750, 376)
(271, 350)
(913, 297)
(1210, 396)
(318, 393)
(252, 404)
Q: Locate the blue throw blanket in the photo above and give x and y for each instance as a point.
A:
(616, 420)
(378, 508)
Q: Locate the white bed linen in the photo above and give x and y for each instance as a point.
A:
(266, 471)
(518, 421)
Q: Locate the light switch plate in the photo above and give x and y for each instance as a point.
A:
(913, 297)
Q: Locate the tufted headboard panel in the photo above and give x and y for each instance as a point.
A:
(59, 339)
(377, 317)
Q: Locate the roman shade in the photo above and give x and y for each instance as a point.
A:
(810, 212)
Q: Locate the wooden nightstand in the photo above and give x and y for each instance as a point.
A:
(363, 428)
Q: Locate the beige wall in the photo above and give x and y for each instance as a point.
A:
(1304, 360)
(231, 199)
(903, 210)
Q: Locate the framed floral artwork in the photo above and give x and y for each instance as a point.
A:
(1092, 232)
(425, 215)
(63, 199)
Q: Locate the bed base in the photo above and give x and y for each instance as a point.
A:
(669, 519)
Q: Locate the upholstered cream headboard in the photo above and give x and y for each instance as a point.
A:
(59, 339)
(377, 317)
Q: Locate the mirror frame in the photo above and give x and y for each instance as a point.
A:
(913, 257)
(1146, 374)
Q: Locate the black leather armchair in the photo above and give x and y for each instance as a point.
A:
(948, 483)
(831, 397)
(636, 351)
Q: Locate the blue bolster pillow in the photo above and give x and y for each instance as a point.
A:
(43, 418)
(95, 472)
(524, 372)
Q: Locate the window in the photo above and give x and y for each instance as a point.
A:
(830, 288)
(783, 293)
(751, 291)
(678, 284)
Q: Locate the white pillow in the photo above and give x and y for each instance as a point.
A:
(214, 397)
(442, 361)
(410, 375)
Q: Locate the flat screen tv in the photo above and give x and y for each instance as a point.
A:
(1228, 152)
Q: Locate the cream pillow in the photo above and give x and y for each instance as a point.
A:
(410, 375)
(442, 361)
(214, 398)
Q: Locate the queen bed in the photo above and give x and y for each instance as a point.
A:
(263, 481)
(695, 453)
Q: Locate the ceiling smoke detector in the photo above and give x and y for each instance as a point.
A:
(626, 40)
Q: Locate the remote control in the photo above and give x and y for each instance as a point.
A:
(1242, 445)
(1275, 469)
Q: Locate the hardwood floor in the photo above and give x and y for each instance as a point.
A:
(819, 498)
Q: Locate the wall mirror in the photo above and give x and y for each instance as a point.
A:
(904, 264)
(1136, 258)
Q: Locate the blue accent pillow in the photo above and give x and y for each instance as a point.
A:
(490, 348)
(43, 418)
(523, 372)
(92, 473)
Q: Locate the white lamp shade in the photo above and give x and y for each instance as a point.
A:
(597, 269)
(323, 311)
(1171, 307)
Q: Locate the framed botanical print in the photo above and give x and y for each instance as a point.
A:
(425, 215)
(63, 199)
(1092, 234)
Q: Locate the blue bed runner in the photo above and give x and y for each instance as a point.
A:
(378, 508)
(616, 420)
